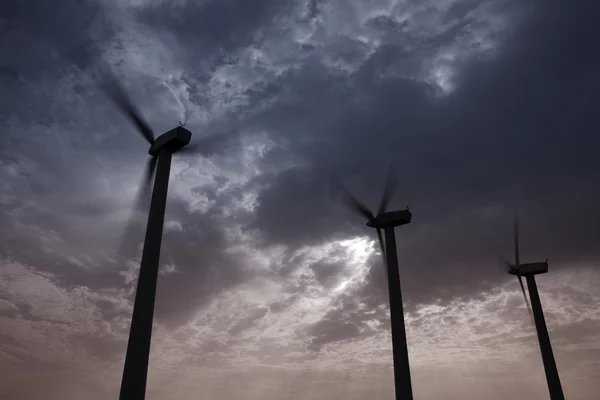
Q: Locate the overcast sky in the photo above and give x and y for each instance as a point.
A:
(269, 289)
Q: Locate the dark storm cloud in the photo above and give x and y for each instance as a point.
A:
(203, 268)
(223, 25)
(344, 322)
(303, 190)
(62, 128)
(43, 28)
(519, 131)
(326, 273)
(210, 32)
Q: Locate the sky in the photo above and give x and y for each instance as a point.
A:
(269, 288)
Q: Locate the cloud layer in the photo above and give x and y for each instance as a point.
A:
(482, 107)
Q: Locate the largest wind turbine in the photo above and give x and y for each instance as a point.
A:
(388, 221)
(135, 371)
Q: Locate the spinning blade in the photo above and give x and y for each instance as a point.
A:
(513, 267)
(529, 310)
(391, 184)
(117, 94)
(359, 208)
(382, 246)
(517, 263)
(133, 229)
(351, 202)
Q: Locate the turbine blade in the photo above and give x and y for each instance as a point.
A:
(516, 238)
(134, 230)
(526, 299)
(504, 264)
(150, 168)
(383, 254)
(133, 234)
(117, 94)
(381, 245)
(350, 201)
(391, 185)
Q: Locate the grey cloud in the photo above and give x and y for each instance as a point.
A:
(203, 267)
(577, 332)
(213, 26)
(505, 137)
(344, 323)
(328, 331)
(111, 310)
(294, 262)
(252, 317)
(327, 273)
(302, 208)
(103, 347)
(43, 27)
(282, 305)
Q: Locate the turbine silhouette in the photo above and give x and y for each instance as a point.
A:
(133, 384)
(388, 221)
(529, 271)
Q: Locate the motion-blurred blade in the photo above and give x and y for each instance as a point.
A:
(149, 173)
(391, 185)
(134, 230)
(350, 201)
(117, 94)
(142, 202)
(383, 254)
(508, 265)
(516, 237)
(133, 233)
(504, 264)
(382, 246)
(526, 299)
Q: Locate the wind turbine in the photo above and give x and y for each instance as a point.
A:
(529, 271)
(135, 371)
(388, 221)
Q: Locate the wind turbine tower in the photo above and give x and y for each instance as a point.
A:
(388, 221)
(161, 150)
(529, 271)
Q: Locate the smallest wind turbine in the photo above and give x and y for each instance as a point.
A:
(388, 221)
(529, 271)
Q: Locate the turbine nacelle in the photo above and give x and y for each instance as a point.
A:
(391, 219)
(172, 141)
(529, 269)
